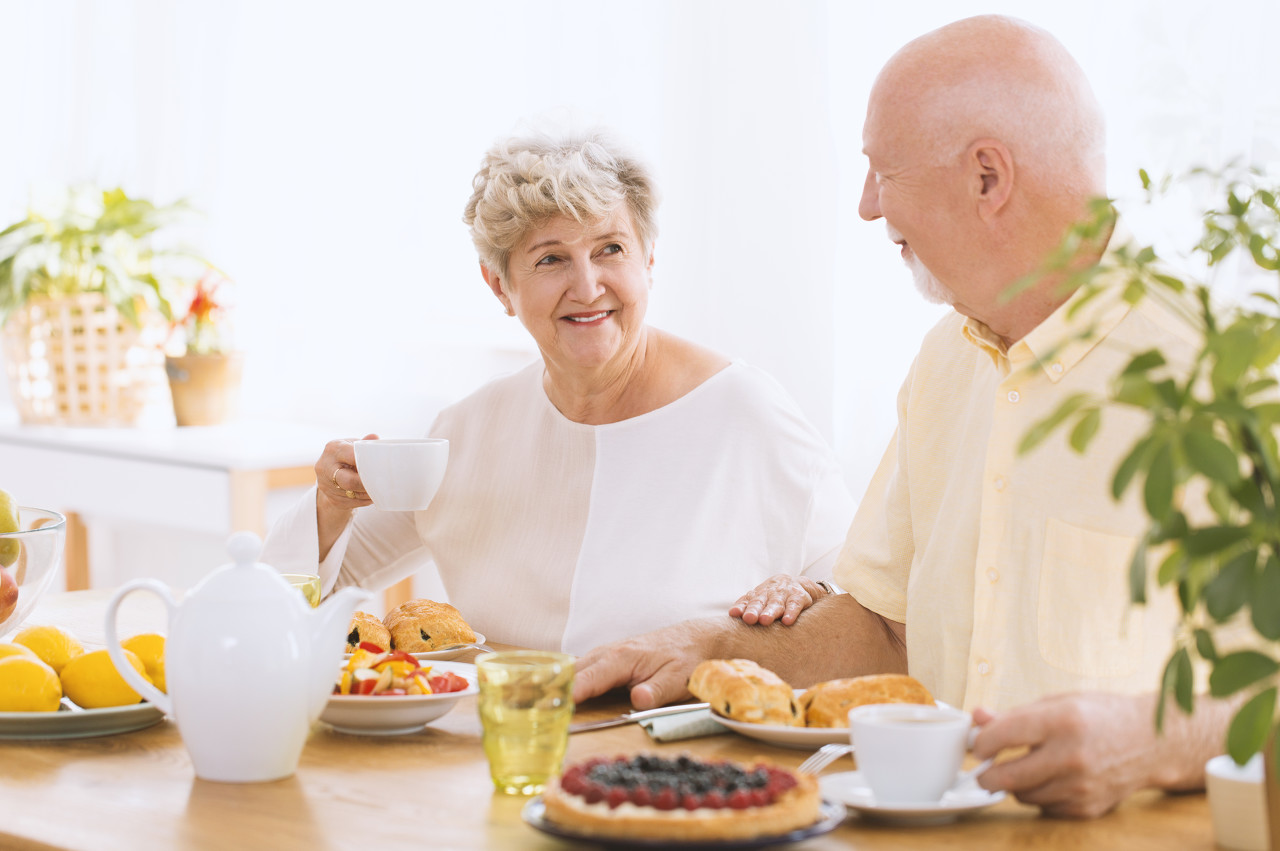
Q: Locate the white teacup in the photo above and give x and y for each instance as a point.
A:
(909, 753)
(402, 475)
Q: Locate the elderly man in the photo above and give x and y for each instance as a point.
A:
(999, 580)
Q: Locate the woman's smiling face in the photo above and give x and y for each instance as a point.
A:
(580, 290)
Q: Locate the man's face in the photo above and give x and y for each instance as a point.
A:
(917, 197)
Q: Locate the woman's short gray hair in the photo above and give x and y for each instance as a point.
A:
(524, 181)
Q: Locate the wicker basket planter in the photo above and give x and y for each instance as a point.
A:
(74, 360)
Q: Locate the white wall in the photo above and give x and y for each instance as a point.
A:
(331, 146)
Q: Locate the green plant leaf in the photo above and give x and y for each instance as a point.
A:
(1205, 646)
(1085, 430)
(1039, 431)
(1265, 604)
(1234, 350)
(1144, 362)
(1251, 725)
(1210, 456)
(1138, 573)
(1227, 592)
(1214, 539)
(1239, 670)
(1157, 492)
(1171, 568)
(1132, 463)
(1184, 681)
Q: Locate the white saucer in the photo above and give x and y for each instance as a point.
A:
(850, 789)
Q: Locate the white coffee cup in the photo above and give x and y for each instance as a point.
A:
(1237, 803)
(402, 475)
(909, 753)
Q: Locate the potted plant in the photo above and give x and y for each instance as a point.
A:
(1212, 430)
(204, 371)
(82, 306)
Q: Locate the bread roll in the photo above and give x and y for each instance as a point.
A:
(365, 627)
(828, 704)
(743, 691)
(420, 626)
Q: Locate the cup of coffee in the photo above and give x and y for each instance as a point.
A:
(402, 475)
(909, 753)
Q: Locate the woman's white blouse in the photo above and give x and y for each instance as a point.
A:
(548, 533)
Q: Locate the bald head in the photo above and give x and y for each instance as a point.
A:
(1000, 78)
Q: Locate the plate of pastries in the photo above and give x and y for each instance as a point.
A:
(420, 627)
(757, 703)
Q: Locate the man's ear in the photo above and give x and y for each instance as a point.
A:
(991, 166)
(495, 283)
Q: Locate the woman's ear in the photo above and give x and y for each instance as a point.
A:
(648, 267)
(494, 280)
(991, 166)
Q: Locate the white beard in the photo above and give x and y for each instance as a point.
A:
(933, 290)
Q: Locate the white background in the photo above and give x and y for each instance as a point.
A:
(331, 147)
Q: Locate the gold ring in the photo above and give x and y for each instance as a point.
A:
(333, 477)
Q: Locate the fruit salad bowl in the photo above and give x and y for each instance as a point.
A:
(29, 559)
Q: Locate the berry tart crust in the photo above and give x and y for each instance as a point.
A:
(651, 797)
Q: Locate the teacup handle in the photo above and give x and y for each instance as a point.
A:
(131, 676)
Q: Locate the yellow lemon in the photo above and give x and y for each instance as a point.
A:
(54, 646)
(149, 647)
(91, 681)
(7, 650)
(28, 685)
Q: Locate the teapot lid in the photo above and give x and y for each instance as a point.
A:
(245, 579)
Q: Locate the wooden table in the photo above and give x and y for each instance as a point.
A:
(428, 790)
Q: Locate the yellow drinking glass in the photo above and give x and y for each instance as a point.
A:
(526, 702)
(307, 583)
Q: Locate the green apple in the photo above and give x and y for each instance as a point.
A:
(8, 523)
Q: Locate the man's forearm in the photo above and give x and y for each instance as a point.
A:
(836, 637)
(1187, 742)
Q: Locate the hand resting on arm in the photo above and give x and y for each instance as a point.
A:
(781, 597)
(837, 638)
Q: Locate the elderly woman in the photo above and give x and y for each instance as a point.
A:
(628, 479)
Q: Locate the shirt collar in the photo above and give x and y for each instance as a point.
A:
(1062, 340)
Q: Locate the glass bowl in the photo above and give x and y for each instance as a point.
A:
(29, 559)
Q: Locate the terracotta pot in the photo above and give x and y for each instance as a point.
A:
(205, 388)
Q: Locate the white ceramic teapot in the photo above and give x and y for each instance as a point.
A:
(248, 663)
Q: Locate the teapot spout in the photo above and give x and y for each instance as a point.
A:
(329, 627)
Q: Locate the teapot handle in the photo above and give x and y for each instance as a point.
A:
(131, 676)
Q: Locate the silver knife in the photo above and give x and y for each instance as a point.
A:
(633, 717)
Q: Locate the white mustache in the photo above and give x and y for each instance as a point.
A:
(894, 235)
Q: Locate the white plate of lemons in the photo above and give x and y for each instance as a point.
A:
(51, 688)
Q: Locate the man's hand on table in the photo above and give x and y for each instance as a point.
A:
(654, 666)
(1086, 752)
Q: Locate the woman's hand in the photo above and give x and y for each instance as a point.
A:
(780, 597)
(339, 490)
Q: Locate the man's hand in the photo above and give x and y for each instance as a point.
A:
(655, 666)
(1087, 752)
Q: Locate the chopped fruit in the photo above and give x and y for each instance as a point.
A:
(371, 671)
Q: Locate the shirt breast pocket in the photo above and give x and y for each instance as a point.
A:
(1086, 623)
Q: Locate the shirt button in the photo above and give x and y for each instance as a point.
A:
(993, 576)
(1013, 396)
(1056, 368)
(998, 483)
(984, 668)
